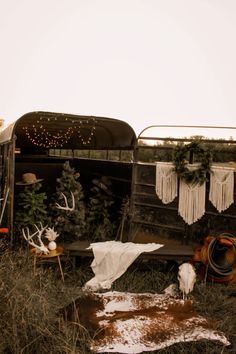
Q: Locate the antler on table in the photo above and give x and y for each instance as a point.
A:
(38, 233)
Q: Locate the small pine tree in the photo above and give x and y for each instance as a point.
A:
(99, 224)
(30, 208)
(69, 224)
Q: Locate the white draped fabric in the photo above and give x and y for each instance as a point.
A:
(112, 259)
(221, 192)
(166, 182)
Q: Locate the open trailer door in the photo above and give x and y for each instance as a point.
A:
(7, 148)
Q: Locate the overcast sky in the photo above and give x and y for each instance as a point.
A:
(143, 61)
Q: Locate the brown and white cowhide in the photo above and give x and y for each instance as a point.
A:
(135, 323)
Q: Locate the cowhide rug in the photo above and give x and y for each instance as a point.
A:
(135, 323)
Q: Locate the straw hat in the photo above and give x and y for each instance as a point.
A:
(27, 179)
(104, 183)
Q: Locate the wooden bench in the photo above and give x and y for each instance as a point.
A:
(167, 252)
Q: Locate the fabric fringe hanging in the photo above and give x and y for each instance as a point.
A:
(191, 201)
(221, 192)
(166, 182)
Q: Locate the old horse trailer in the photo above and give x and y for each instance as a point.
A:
(179, 181)
(41, 142)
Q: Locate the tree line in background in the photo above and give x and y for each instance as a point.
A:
(160, 151)
(222, 150)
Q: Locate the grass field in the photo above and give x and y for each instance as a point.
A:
(30, 305)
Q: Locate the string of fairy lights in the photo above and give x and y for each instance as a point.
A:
(39, 135)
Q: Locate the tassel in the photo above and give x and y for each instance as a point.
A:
(191, 201)
(221, 192)
(166, 182)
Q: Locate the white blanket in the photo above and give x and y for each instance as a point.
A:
(111, 260)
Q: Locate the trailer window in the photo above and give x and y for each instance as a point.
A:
(111, 155)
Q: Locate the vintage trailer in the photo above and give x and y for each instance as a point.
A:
(181, 228)
(141, 170)
(41, 142)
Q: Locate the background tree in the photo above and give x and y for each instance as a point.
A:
(69, 224)
(30, 207)
(99, 219)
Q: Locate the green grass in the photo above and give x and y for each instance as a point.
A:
(30, 305)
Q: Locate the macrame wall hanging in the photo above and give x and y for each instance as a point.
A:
(192, 177)
(166, 182)
(221, 192)
(192, 198)
(192, 181)
(191, 201)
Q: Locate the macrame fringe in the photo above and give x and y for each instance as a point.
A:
(221, 192)
(166, 182)
(191, 201)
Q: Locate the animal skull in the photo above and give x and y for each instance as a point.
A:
(187, 278)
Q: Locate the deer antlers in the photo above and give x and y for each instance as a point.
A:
(66, 207)
(38, 233)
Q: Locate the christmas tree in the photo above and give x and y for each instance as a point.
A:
(69, 223)
(30, 207)
(99, 224)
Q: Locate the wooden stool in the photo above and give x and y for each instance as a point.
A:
(52, 254)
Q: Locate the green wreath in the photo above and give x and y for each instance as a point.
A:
(203, 156)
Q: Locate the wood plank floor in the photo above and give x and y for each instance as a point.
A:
(167, 252)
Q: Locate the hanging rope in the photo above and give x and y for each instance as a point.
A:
(218, 259)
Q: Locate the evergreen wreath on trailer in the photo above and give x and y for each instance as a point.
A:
(202, 155)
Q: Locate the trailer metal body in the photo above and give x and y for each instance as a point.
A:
(40, 142)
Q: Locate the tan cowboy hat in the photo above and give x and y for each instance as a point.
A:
(27, 179)
(104, 183)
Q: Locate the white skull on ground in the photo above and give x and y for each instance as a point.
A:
(187, 278)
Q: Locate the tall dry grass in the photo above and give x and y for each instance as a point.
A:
(31, 306)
